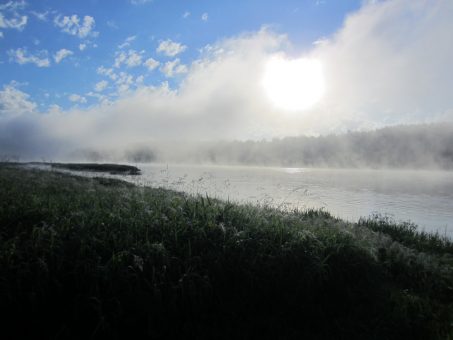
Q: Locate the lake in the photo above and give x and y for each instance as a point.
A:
(423, 197)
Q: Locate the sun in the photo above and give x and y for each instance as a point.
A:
(293, 84)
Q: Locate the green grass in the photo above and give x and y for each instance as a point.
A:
(406, 233)
(100, 258)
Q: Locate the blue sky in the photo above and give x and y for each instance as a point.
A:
(104, 74)
(146, 24)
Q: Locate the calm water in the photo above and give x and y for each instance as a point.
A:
(423, 197)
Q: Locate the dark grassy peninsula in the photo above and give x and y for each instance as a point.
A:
(114, 169)
(100, 258)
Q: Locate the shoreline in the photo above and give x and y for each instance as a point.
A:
(87, 251)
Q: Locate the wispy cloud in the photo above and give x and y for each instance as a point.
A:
(151, 64)
(124, 82)
(139, 2)
(16, 22)
(170, 48)
(108, 72)
(186, 14)
(61, 54)
(139, 80)
(112, 24)
(205, 17)
(173, 68)
(21, 56)
(131, 59)
(13, 6)
(127, 42)
(76, 98)
(41, 16)
(101, 86)
(320, 41)
(10, 16)
(74, 25)
(14, 102)
(82, 47)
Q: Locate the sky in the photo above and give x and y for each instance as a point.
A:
(105, 74)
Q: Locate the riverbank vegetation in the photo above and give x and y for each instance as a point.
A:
(102, 258)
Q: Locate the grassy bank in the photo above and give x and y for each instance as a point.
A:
(101, 258)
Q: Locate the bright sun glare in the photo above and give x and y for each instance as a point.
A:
(294, 85)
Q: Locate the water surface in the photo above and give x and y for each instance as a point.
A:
(423, 197)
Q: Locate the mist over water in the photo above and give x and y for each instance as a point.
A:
(422, 197)
(404, 172)
(423, 146)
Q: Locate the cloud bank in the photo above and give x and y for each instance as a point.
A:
(389, 64)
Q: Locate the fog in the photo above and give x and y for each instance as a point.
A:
(388, 65)
(401, 147)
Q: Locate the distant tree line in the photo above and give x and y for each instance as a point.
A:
(409, 146)
(424, 146)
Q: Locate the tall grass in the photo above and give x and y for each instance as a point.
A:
(408, 234)
(100, 258)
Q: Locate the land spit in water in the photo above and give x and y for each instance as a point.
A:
(113, 169)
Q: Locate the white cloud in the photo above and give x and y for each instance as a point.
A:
(320, 41)
(76, 98)
(219, 97)
(103, 99)
(112, 24)
(173, 68)
(131, 59)
(186, 14)
(139, 2)
(16, 22)
(120, 59)
(170, 48)
(124, 82)
(108, 72)
(1, 35)
(21, 56)
(14, 102)
(134, 59)
(127, 41)
(55, 109)
(82, 47)
(61, 54)
(10, 16)
(101, 86)
(139, 80)
(13, 6)
(204, 17)
(41, 16)
(151, 64)
(389, 63)
(73, 25)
